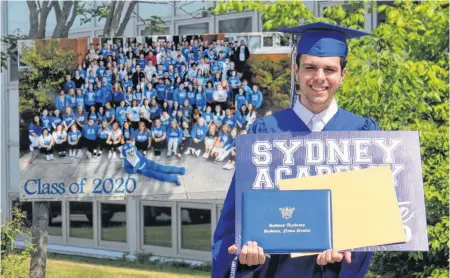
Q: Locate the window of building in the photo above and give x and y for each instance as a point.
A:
(254, 42)
(381, 17)
(194, 29)
(114, 222)
(157, 226)
(196, 229)
(80, 220)
(55, 219)
(267, 41)
(238, 25)
(191, 8)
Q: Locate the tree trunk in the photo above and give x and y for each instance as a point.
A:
(39, 235)
(44, 11)
(34, 18)
(107, 27)
(69, 24)
(61, 17)
(126, 18)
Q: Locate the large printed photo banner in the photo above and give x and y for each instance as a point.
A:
(265, 159)
(110, 80)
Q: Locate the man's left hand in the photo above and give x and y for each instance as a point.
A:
(333, 256)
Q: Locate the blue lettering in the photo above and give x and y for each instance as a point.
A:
(25, 186)
(71, 187)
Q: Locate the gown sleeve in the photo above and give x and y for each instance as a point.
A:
(224, 235)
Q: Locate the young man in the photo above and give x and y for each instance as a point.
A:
(319, 71)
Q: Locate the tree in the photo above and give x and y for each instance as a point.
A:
(399, 76)
(272, 75)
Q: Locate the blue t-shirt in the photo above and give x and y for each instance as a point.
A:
(141, 136)
(46, 122)
(158, 131)
(81, 118)
(121, 114)
(68, 119)
(90, 132)
(73, 136)
(56, 120)
(109, 113)
(33, 128)
(134, 113)
(126, 134)
(104, 133)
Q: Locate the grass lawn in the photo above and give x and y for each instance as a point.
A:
(82, 267)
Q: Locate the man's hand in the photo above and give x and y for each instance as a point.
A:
(333, 256)
(251, 254)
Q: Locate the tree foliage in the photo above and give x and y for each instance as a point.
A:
(399, 76)
(13, 260)
(273, 78)
(47, 61)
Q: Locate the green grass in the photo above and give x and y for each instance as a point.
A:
(158, 236)
(193, 237)
(196, 237)
(85, 232)
(84, 267)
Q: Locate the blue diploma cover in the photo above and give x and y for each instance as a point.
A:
(288, 221)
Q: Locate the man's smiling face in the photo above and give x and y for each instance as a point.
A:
(319, 79)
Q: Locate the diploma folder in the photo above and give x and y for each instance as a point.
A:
(283, 222)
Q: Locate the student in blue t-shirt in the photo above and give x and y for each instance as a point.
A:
(89, 97)
(240, 99)
(158, 137)
(61, 101)
(142, 138)
(165, 119)
(127, 133)
(223, 141)
(69, 84)
(80, 118)
(230, 151)
(79, 98)
(71, 99)
(255, 97)
(149, 92)
(229, 118)
(56, 119)
(101, 116)
(200, 99)
(90, 135)
(133, 114)
(100, 94)
(198, 134)
(180, 94)
(210, 140)
(103, 135)
(121, 113)
(234, 82)
(191, 94)
(154, 110)
(174, 138)
(34, 130)
(73, 139)
(46, 120)
(68, 119)
(110, 113)
(209, 91)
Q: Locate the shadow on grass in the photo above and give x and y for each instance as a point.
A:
(139, 264)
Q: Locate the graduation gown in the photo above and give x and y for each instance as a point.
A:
(282, 265)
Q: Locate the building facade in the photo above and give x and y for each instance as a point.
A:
(158, 227)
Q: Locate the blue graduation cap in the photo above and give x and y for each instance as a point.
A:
(323, 39)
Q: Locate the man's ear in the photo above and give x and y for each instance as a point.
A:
(344, 72)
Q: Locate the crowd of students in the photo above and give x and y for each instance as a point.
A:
(183, 98)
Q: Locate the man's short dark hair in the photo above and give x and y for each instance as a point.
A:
(343, 61)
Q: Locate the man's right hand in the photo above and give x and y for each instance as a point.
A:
(251, 254)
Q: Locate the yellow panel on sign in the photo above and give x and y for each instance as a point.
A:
(365, 207)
